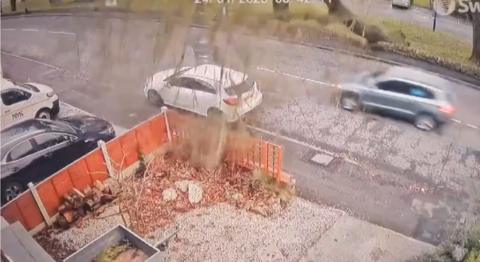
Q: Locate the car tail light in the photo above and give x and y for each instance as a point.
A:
(231, 101)
(447, 109)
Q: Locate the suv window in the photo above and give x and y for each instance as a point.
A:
(12, 96)
(419, 91)
(20, 151)
(395, 86)
(47, 140)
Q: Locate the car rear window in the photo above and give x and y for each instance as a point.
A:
(241, 88)
(30, 87)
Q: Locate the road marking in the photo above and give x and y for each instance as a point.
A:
(9, 29)
(472, 126)
(456, 121)
(32, 60)
(61, 32)
(30, 30)
(295, 76)
(304, 144)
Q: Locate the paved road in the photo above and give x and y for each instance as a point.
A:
(417, 183)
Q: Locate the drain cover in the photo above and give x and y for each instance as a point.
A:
(322, 159)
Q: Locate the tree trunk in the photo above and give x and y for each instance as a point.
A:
(280, 9)
(476, 35)
(13, 5)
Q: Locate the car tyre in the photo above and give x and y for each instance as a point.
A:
(44, 113)
(425, 122)
(10, 190)
(154, 98)
(350, 102)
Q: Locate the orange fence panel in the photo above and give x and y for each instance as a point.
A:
(96, 165)
(79, 175)
(62, 183)
(50, 199)
(115, 152)
(11, 213)
(158, 128)
(144, 135)
(130, 148)
(29, 209)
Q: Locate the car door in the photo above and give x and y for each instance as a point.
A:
(183, 95)
(204, 97)
(15, 104)
(392, 96)
(20, 156)
(55, 151)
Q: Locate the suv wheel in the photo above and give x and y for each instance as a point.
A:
(425, 122)
(349, 102)
(10, 190)
(154, 98)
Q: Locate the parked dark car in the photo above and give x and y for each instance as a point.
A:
(34, 149)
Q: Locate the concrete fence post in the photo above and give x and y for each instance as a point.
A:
(167, 125)
(39, 203)
(106, 157)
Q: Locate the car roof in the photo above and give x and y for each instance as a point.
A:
(213, 74)
(419, 76)
(31, 127)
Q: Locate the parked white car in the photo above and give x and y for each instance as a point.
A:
(205, 90)
(26, 101)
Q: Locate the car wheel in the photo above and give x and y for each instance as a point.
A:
(44, 114)
(350, 102)
(155, 98)
(425, 122)
(10, 190)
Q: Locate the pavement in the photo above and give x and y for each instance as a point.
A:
(351, 239)
(384, 170)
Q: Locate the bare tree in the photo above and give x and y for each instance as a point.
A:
(371, 33)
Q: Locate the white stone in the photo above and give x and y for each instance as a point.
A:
(169, 194)
(195, 193)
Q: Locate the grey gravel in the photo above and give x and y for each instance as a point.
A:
(224, 233)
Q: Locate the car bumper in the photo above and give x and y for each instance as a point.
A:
(233, 114)
(56, 107)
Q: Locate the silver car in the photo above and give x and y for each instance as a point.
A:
(404, 92)
(205, 90)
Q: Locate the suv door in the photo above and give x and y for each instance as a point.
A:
(55, 151)
(392, 96)
(15, 102)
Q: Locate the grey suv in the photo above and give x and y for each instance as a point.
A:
(404, 92)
